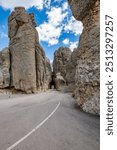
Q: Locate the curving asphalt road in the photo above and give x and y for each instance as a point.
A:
(46, 121)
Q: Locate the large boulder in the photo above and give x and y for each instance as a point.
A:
(87, 68)
(4, 68)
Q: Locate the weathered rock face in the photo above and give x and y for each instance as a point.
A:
(71, 71)
(28, 61)
(48, 73)
(43, 69)
(40, 67)
(22, 49)
(4, 68)
(87, 76)
(71, 68)
(61, 58)
(59, 81)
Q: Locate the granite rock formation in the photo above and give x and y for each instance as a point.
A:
(28, 60)
(4, 68)
(87, 68)
(59, 82)
(48, 73)
(22, 49)
(61, 59)
(24, 65)
(71, 70)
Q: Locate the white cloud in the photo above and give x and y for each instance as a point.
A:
(49, 33)
(66, 41)
(10, 4)
(74, 26)
(65, 6)
(47, 3)
(53, 41)
(56, 16)
(73, 45)
(51, 30)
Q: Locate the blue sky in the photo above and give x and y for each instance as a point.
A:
(55, 24)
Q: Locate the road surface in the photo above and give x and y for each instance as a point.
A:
(46, 121)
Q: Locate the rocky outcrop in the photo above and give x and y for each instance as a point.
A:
(60, 82)
(48, 73)
(71, 70)
(43, 69)
(61, 59)
(40, 68)
(24, 65)
(4, 68)
(87, 68)
(22, 49)
(28, 60)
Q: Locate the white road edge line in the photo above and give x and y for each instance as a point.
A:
(33, 130)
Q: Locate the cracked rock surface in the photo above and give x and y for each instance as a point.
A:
(24, 66)
(87, 67)
(4, 68)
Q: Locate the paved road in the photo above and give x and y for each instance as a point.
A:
(46, 121)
